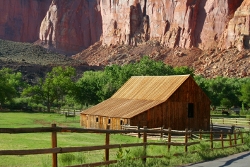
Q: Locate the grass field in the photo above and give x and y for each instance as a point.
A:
(43, 140)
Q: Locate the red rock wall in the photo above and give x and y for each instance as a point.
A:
(121, 20)
(71, 26)
(20, 19)
(237, 33)
(182, 23)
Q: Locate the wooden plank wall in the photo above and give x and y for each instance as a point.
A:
(174, 112)
(89, 121)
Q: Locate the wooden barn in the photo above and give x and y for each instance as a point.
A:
(153, 101)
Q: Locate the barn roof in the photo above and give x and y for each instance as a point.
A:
(137, 95)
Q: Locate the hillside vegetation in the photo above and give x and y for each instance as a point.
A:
(34, 61)
(25, 53)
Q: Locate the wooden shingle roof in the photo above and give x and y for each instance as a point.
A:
(137, 95)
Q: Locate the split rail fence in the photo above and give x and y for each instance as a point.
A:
(241, 122)
(234, 139)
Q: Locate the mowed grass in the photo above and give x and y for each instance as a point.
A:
(43, 140)
(66, 139)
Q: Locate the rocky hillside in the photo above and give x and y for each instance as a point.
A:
(209, 63)
(210, 35)
(34, 61)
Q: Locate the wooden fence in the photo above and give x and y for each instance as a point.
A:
(234, 139)
(241, 122)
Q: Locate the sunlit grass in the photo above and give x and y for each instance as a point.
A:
(201, 151)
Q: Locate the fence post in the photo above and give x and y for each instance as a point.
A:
(54, 145)
(211, 126)
(230, 139)
(241, 136)
(222, 139)
(169, 138)
(145, 144)
(200, 134)
(211, 139)
(139, 134)
(186, 139)
(162, 132)
(107, 144)
(235, 138)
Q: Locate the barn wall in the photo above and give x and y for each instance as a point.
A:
(174, 112)
(89, 121)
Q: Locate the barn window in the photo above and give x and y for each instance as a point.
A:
(121, 122)
(190, 110)
(109, 121)
(96, 119)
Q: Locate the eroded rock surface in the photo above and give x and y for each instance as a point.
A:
(70, 26)
(20, 20)
(237, 33)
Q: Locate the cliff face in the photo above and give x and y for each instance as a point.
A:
(71, 26)
(20, 19)
(182, 23)
(237, 33)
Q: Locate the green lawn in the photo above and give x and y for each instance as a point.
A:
(43, 140)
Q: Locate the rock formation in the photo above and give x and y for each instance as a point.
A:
(237, 33)
(20, 19)
(182, 23)
(71, 26)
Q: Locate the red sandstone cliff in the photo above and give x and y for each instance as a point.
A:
(237, 33)
(71, 26)
(20, 20)
(182, 23)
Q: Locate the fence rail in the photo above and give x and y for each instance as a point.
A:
(144, 133)
(242, 122)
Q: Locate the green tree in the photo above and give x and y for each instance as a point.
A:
(245, 91)
(221, 90)
(94, 87)
(10, 85)
(51, 90)
(226, 103)
(87, 87)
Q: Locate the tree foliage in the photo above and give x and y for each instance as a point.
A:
(10, 85)
(94, 87)
(53, 88)
(245, 91)
(223, 91)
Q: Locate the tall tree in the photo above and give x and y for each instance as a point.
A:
(51, 90)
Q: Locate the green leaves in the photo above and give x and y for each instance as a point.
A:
(51, 91)
(245, 91)
(224, 91)
(10, 84)
(95, 87)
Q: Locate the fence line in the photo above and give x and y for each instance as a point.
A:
(144, 132)
(243, 122)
